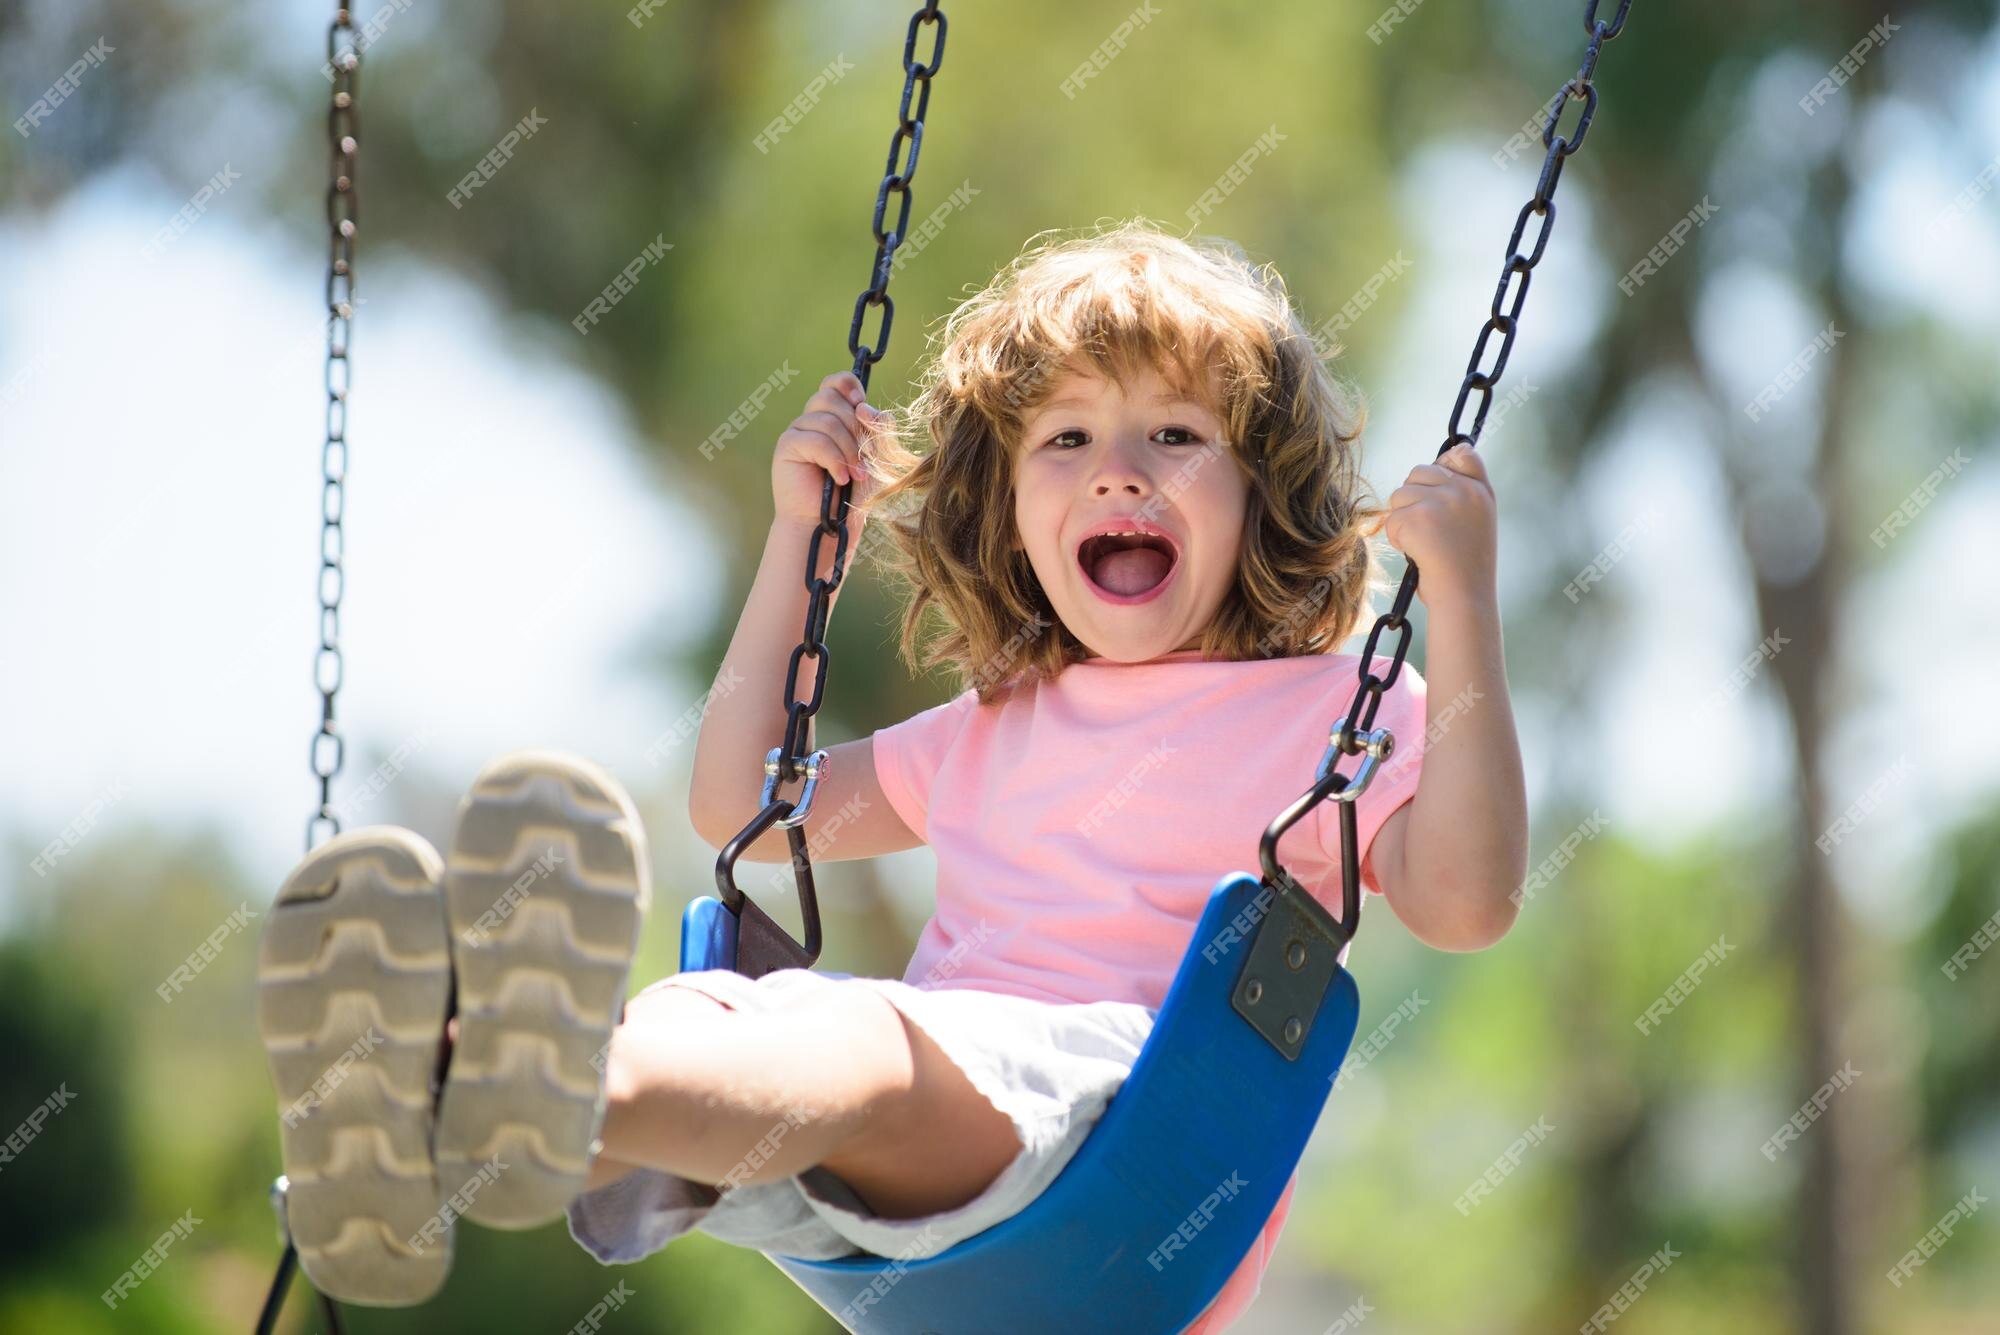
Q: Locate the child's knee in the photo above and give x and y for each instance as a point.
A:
(868, 1021)
(637, 1056)
(624, 1077)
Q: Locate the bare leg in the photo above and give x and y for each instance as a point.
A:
(720, 1096)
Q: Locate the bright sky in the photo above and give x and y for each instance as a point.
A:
(513, 567)
(508, 559)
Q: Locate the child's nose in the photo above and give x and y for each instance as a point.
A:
(1120, 468)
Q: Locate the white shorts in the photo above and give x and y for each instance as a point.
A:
(1050, 1067)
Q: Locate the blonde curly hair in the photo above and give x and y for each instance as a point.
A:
(1124, 297)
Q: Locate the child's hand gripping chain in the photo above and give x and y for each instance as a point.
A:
(832, 435)
(1444, 518)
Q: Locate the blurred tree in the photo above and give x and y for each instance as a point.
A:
(71, 1169)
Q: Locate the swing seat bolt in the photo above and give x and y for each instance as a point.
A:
(1295, 955)
(1253, 991)
(1293, 1029)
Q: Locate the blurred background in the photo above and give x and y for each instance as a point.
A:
(1744, 449)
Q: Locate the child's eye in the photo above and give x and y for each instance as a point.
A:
(1055, 440)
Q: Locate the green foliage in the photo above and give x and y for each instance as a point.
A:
(63, 1056)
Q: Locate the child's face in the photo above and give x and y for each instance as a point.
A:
(1100, 453)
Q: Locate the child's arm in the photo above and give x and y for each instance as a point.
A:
(1452, 859)
(745, 713)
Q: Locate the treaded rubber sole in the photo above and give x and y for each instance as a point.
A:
(353, 984)
(546, 887)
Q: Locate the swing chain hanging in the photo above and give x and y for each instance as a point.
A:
(763, 945)
(1354, 733)
(329, 748)
(833, 517)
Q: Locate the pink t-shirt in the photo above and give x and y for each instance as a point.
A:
(1080, 824)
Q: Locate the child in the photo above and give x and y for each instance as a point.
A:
(1143, 531)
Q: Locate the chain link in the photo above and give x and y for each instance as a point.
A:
(1354, 733)
(329, 748)
(899, 171)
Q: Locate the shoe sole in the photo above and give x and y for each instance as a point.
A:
(545, 889)
(353, 986)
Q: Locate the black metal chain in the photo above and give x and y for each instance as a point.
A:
(909, 130)
(1354, 733)
(762, 945)
(329, 748)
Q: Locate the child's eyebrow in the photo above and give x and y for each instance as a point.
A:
(1158, 401)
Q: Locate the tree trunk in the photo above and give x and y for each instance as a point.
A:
(1805, 611)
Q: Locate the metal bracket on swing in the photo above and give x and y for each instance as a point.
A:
(762, 945)
(1295, 947)
(1294, 954)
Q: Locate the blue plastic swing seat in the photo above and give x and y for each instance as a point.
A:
(1153, 1214)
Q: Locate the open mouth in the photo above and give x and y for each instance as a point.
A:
(1127, 567)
